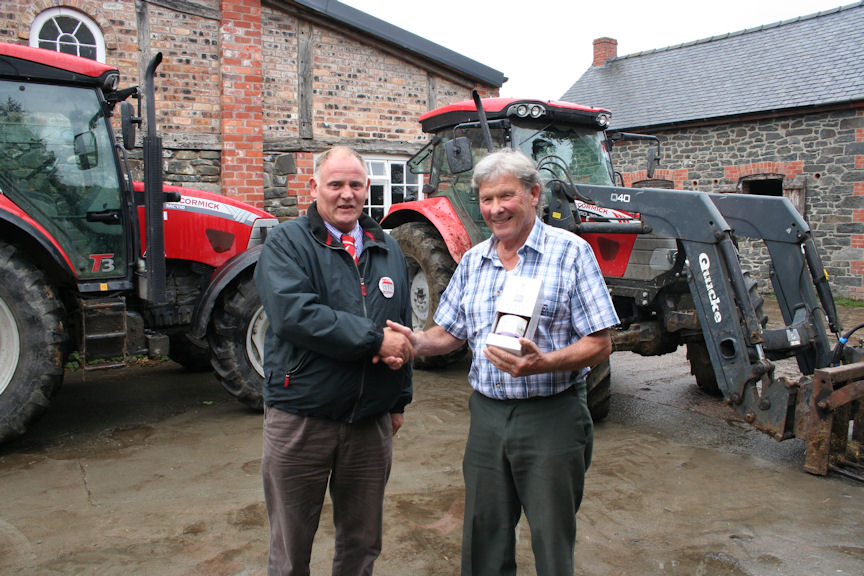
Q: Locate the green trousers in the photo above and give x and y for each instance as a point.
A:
(526, 455)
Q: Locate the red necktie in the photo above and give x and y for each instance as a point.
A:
(348, 242)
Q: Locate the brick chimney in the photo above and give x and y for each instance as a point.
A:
(604, 50)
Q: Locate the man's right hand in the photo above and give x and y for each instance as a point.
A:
(396, 349)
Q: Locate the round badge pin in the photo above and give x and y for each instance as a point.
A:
(386, 286)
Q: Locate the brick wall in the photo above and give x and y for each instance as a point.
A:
(227, 91)
(821, 153)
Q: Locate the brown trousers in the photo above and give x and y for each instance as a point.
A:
(300, 457)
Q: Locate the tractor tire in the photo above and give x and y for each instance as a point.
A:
(697, 352)
(702, 369)
(430, 267)
(236, 338)
(33, 342)
(188, 354)
(599, 387)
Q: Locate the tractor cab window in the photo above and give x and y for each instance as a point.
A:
(458, 186)
(56, 164)
(572, 154)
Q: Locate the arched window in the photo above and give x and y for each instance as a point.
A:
(68, 31)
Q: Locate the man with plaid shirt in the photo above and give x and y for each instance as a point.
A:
(531, 433)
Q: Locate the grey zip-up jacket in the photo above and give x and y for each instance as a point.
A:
(326, 321)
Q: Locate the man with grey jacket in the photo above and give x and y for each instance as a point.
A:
(337, 380)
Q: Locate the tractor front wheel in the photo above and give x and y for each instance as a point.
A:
(32, 342)
(430, 267)
(236, 339)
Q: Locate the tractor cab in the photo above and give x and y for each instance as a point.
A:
(567, 143)
(58, 165)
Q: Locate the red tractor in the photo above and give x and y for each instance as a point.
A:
(97, 267)
(669, 258)
(569, 145)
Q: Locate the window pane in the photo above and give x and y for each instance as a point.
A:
(397, 194)
(85, 36)
(378, 214)
(377, 169)
(88, 52)
(376, 195)
(49, 31)
(396, 173)
(67, 24)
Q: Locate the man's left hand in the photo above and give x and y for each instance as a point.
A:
(397, 420)
(532, 360)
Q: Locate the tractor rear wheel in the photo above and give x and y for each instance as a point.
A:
(430, 267)
(236, 339)
(599, 387)
(32, 342)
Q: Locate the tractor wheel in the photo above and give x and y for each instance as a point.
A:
(697, 352)
(430, 267)
(188, 354)
(599, 386)
(32, 342)
(236, 339)
(702, 369)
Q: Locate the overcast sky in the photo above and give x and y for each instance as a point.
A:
(543, 47)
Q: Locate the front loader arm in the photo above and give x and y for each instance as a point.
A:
(704, 225)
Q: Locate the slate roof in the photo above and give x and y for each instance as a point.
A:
(809, 61)
(405, 40)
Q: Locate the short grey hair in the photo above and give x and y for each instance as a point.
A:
(506, 162)
(336, 151)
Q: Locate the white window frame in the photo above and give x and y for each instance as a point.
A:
(380, 170)
(42, 19)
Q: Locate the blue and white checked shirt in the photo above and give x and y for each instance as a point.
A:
(576, 304)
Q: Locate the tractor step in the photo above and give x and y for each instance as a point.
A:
(103, 323)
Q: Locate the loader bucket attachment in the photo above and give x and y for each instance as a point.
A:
(836, 401)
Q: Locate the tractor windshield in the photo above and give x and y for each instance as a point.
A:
(57, 165)
(573, 154)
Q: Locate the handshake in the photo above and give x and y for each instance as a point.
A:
(398, 347)
(401, 344)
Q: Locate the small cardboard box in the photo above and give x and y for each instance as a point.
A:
(516, 316)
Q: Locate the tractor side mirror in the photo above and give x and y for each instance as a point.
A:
(127, 124)
(459, 157)
(86, 151)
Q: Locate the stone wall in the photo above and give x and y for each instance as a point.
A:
(819, 156)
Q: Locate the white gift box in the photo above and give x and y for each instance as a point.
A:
(517, 313)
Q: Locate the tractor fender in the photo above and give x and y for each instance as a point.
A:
(17, 226)
(439, 213)
(222, 278)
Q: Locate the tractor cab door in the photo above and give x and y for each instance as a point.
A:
(57, 164)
